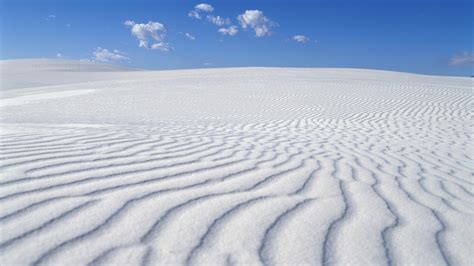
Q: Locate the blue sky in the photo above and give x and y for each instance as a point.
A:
(420, 36)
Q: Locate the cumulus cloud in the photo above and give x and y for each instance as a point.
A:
(301, 38)
(464, 58)
(50, 17)
(151, 30)
(162, 46)
(231, 31)
(255, 20)
(204, 7)
(103, 55)
(191, 37)
(198, 9)
(218, 20)
(194, 14)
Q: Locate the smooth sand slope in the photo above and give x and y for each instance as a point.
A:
(270, 166)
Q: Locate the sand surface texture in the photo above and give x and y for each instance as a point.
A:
(260, 166)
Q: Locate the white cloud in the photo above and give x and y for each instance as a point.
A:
(300, 38)
(464, 58)
(162, 46)
(231, 31)
(59, 55)
(218, 20)
(204, 7)
(257, 21)
(191, 37)
(194, 14)
(106, 56)
(200, 8)
(50, 17)
(153, 30)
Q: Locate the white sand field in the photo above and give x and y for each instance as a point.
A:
(246, 166)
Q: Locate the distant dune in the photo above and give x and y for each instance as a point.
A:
(25, 73)
(274, 166)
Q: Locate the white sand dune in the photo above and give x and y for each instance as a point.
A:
(273, 166)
